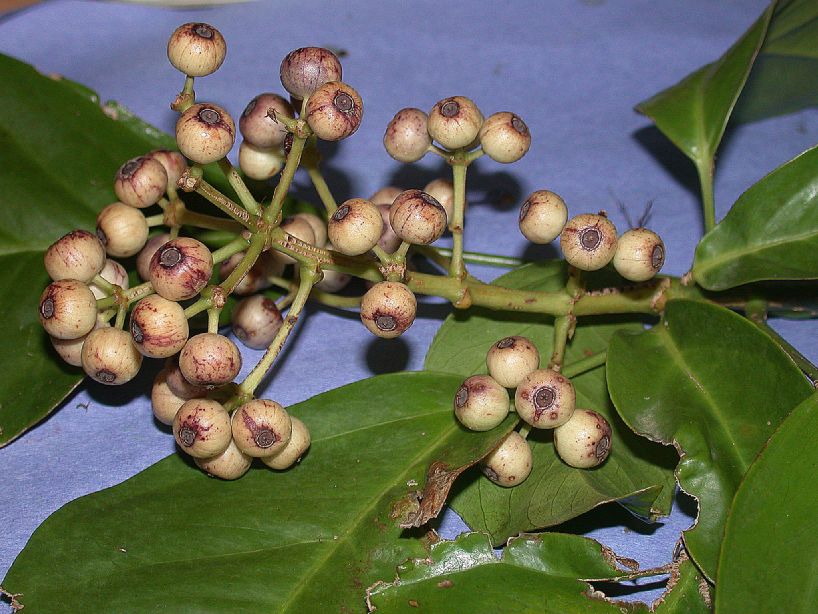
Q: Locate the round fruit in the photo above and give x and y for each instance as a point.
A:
(417, 218)
(123, 230)
(584, 441)
(210, 359)
(181, 268)
(407, 137)
(261, 428)
(257, 126)
(109, 356)
(78, 255)
(256, 320)
(545, 399)
(640, 254)
(511, 359)
(201, 427)
(481, 403)
(196, 49)
(355, 227)
(334, 111)
(229, 465)
(543, 216)
(388, 309)
(510, 463)
(68, 309)
(294, 450)
(159, 327)
(505, 137)
(205, 133)
(304, 70)
(455, 122)
(588, 241)
(141, 182)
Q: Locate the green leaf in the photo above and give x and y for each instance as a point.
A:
(687, 591)
(782, 80)
(694, 112)
(770, 233)
(638, 473)
(59, 152)
(539, 574)
(310, 539)
(716, 387)
(770, 527)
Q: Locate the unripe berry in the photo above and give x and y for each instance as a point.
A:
(113, 273)
(334, 111)
(164, 402)
(254, 279)
(304, 70)
(178, 385)
(141, 182)
(545, 399)
(205, 133)
(256, 320)
(407, 137)
(143, 260)
(210, 359)
(68, 309)
(455, 122)
(355, 227)
(388, 308)
(505, 137)
(389, 241)
(109, 357)
(78, 255)
(174, 163)
(196, 49)
(584, 441)
(318, 225)
(386, 195)
(158, 326)
(442, 190)
(294, 450)
(229, 465)
(543, 216)
(70, 350)
(260, 164)
(123, 230)
(510, 463)
(333, 281)
(181, 268)
(201, 427)
(511, 359)
(481, 403)
(588, 241)
(256, 125)
(640, 254)
(261, 428)
(417, 218)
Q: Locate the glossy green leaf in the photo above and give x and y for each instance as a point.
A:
(310, 539)
(638, 473)
(59, 152)
(542, 574)
(712, 384)
(694, 112)
(782, 80)
(770, 539)
(770, 233)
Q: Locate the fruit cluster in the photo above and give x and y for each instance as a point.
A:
(543, 399)
(220, 422)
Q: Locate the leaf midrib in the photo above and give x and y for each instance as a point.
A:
(733, 254)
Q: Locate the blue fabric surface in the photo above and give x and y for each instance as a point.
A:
(573, 69)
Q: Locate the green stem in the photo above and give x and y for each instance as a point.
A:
(253, 379)
(705, 170)
(319, 183)
(120, 317)
(756, 312)
(562, 326)
(138, 292)
(213, 320)
(238, 185)
(319, 296)
(233, 209)
(103, 284)
(473, 257)
(155, 220)
(457, 268)
(234, 247)
(585, 364)
(293, 160)
(203, 304)
(236, 275)
(209, 222)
